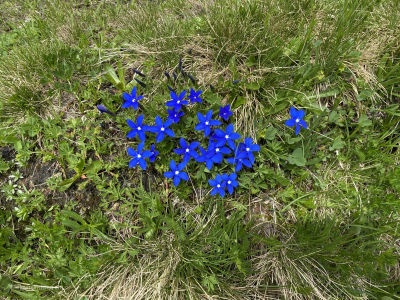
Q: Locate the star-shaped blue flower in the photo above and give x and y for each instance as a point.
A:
(176, 101)
(240, 159)
(206, 156)
(227, 137)
(138, 129)
(249, 147)
(230, 182)
(174, 115)
(195, 96)
(176, 172)
(138, 156)
(131, 100)
(154, 153)
(104, 109)
(224, 112)
(161, 129)
(218, 185)
(296, 119)
(187, 150)
(206, 122)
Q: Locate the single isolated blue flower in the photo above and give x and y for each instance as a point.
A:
(218, 185)
(194, 96)
(138, 128)
(161, 129)
(224, 112)
(103, 109)
(176, 172)
(154, 153)
(227, 137)
(239, 160)
(249, 147)
(174, 115)
(206, 122)
(187, 150)
(230, 182)
(131, 100)
(138, 156)
(297, 116)
(176, 101)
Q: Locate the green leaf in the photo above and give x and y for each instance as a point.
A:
(364, 122)
(63, 185)
(296, 158)
(93, 168)
(270, 133)
(74, 216)
(79, 166)
(254, 86)
(250, 61)
(112, 77)
(365, 94)
(238, 102)
(337, 144)
(232, 65)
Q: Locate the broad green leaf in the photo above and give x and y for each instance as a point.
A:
(270, 133)
(254, 86)
(250, 61)
(64, 185)
(296, 158)
(79, 166)
(337, 144)
(93, 168)
(364, 122)
(238, 102)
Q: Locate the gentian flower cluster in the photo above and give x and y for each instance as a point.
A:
(221, 141)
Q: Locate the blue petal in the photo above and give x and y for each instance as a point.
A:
(139, 120)
(209, 115)
(133, 162)
(230, 189)
(133, 93)
(212, 182)
(246, 163)
(232, 177)
(229, 129)
(132, 152)
(220, 142)
(182, 95)
(135, 105)
(209, 164)
(225, 177)
(234, 136)
(214, 191)
(290, 122)
(173, 96)
(238, 166)
(168, 123)
(170, 103)
(193, 153)
(255, 147)
(201, 117)
(297, 128)
(159, 121)
(293, 113)
(194, 145)
(251, 157)
(207, 130)
(142, 163)
(303, 123)
(172, 165)
(127, 97)
(147, 153)
(183, 176)
(221, 192)
(153, 129)
(131, 124)
(183, 143)
(160, 136)
(231, 160)
(181, 166)
(186, 158)
(200, 126)
(177, 179)
(170, 132)
(142, 135)
(219, 132)
(126, 104)
(215, 123)
(131, 133)
(169, 174)
(179, 151)
(231, 144)
(140, 147)
(300, 114)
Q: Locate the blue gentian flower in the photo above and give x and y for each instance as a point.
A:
(187, 150)
(170, 88)
(224, 112)
(227, 137)
(296, 119)
(174, 115)
(236, 81)
(218, 185)
(161, 129)
(194, 96)
(138, 129)
(213, 137)
(175, 77)
(176, 172)
(215, 152)
(167, 75)
(206, 156)
(154, 153)
(138, 156)
(103, 109)
(240, 159)
(230, 182)
(176, 101)
(206, 122)
(131, 100)
(249, 147)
